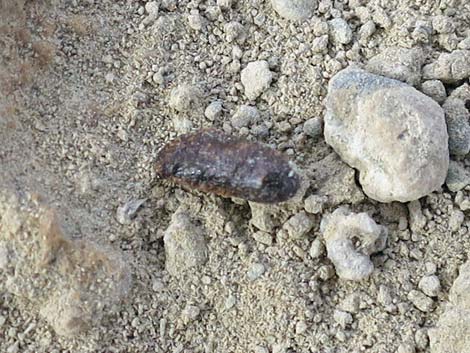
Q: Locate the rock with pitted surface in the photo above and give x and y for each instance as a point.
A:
(394, 135)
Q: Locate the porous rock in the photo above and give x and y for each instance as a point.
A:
(256, 78)
(185, 245)
(398, 63)
(184, 97)
(457, 176)
(449, 67)
(458, 126)
(295, 10)
(394, 135)
(343, 231)
(340, 31)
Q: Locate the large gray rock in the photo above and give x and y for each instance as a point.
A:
(394, 135)
(449, 67)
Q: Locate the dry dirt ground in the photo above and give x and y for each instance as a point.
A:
(85, 87)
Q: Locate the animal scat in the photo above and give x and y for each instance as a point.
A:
(212, 161)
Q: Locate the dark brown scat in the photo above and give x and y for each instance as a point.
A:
(212, 161)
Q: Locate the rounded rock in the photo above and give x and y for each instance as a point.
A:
(394, 135)
(256, 78)
(295, 10)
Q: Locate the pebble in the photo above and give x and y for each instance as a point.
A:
(126, 212)
(320, 44)
(342, 318)
(458, 126)
(398, 63)
(406, 348)
(298, 225)
(350, 239)
(184, 98)
(256, 78)
(317, 249)
(213, 111)
(449, 67)
(185, 244)
(256, 270)
(190, 313)
(340, 31)
(263, 237)
(430, 285)
(456, 220)
(315, 203)
(245, 116)
(421, 301)
(314, 128)
(295, 10)
(434, 89)
(371, 123)
(457, 177)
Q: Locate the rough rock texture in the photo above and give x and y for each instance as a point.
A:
(256, 78)
(72, 284)
(394, 135)
(457, 177)
(449, 67)
(452, 333)
(350, 239)
(458, 126)
(398, 63)
(185, 245)
(295, 10)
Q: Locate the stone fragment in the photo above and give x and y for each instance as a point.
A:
(398, 63)
(449, 67)
(434, 89)
(184, 98)
(340, 31)
(342, 318)
(371, 122)
(256, 78)
(314, 203)
(316, 249)
(244, 116)
(295, 10)
(430, 285)
(185, 245)
(213, 111)
(262, 217)
(417, 218)
(350, 239)
(456, 219)
(457, 176)
(421, 301)
(298, 225)
(313, 127)
(460, 291)
(458, 126)
(255, 271)
(126, 212)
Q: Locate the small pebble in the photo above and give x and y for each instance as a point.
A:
(256, 270)
(430, 285)
(421, 301)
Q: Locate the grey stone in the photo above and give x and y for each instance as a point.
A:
(340, 31)
(295, 10)
(184, 98)
(457, 177)
(449, 67)
(434, 89)
(430, 285)
(458, 126)
(452, 333)
(313, 127)
(245, 116)
(398, 63)
(256, 78)
(372, 123)
(421, 301)
(298, 225)
(185, 245)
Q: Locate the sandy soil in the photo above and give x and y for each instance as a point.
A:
(84, 109)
